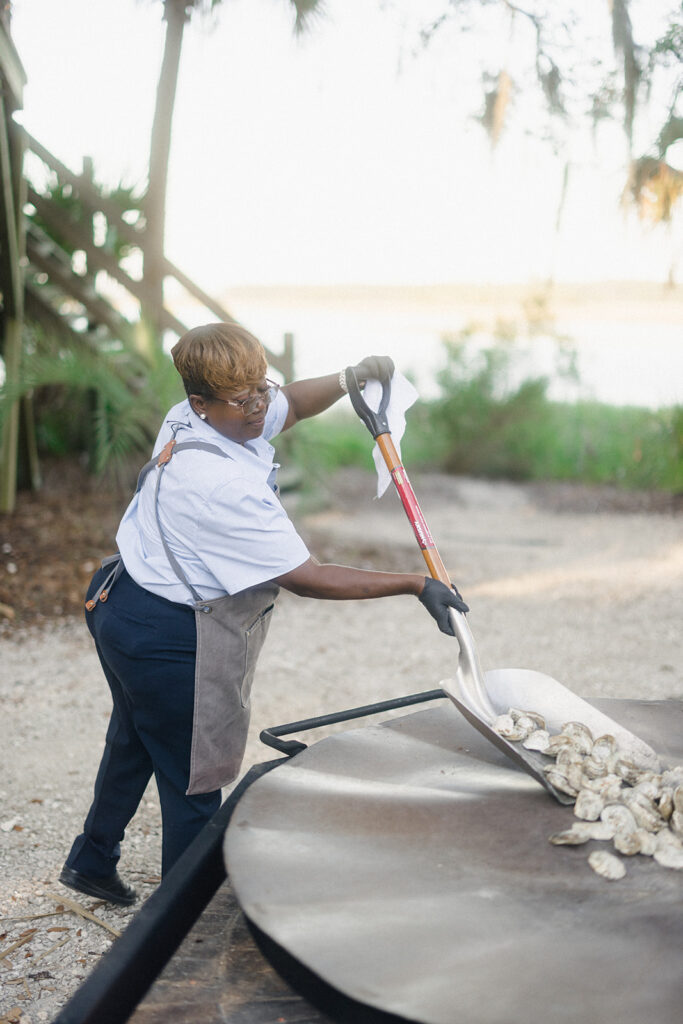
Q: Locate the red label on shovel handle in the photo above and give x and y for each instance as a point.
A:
(412, 509)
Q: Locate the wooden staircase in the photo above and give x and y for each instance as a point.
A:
(58, 269)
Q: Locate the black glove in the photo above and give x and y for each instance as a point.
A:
(437, 599)
(379, 368)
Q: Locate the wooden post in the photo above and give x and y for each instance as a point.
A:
(11, 278)
(288, 358)
(176, 13)
(10, 425)
(28, 470)
(12, 82)
(88, 222)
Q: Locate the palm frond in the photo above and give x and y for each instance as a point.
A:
(116, 398)
(654, 188)
(307, 11)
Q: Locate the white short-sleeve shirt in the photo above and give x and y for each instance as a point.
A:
(221, 517)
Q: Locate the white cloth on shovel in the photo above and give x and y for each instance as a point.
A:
(403, 395)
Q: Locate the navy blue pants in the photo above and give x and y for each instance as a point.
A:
(147, 648)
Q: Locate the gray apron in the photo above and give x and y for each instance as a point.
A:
(230, 634)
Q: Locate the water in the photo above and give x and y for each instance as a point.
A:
(618, 362)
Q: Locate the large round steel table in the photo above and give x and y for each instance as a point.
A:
(408, 866)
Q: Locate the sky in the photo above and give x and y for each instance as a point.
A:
(341, 157)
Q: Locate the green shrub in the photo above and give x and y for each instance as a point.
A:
(625, 445)
(490, 425)
(106, 402)
(490, 421)
(329, 442)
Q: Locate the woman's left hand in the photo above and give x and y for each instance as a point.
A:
(379, 368)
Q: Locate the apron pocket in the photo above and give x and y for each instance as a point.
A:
(254, 636)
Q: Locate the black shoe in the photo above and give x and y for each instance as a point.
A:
(112, 889)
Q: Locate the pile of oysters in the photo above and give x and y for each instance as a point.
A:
(639, 811)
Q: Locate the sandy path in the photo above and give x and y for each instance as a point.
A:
(591, 598)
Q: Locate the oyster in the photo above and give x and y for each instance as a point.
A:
(666, 838)
(569, 754)
(582, 832)
(588, 805)
(647, 819)
(568, 837)
(605, 748)
(629, 843)
(594, 768)
(677, 823)
(516, 725)
(669, 850)
(628, 771)
(620, 817)
(678, 798)
(673, 776)
(506, 727)
(526, 723)
(606, 864)
(669, 856)
(665, 804)
(537, 740)
(580, 735)
(557, 742)
(559, 780)
(575, 776)
(650, 786)
(643, 810)
(648, 841)
(538, 720)
(609, 786)
(596, 829)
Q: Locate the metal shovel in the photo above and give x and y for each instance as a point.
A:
(480, 696)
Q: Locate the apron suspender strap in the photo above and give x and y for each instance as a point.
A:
(160, 463)
(102, 593)
(168, 450)
(173, 561)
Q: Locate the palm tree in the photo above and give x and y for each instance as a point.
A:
(176, 14)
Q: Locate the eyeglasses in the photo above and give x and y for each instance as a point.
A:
(263, 395)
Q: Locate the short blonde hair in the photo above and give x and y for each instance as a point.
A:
(219, 357)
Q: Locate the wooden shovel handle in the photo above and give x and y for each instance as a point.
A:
(437, 570)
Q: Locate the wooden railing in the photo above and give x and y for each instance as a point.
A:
(79, 235)
(38, 277)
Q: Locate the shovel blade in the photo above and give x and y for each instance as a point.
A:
(533, 691)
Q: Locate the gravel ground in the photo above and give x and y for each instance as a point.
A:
(566, 581)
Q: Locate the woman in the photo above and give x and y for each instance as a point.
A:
(179, 616)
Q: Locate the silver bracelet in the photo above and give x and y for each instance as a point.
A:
(342, 382)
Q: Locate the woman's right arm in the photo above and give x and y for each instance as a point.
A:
(345, 583)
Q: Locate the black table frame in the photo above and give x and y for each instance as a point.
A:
(126, 972)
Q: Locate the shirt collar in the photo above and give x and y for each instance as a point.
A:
(184, 417)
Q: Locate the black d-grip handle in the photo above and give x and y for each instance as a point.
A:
(376, 422)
